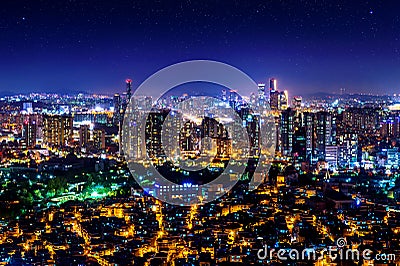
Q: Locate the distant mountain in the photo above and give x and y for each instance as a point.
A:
(7, 93)
(320, 94)
(57, 91)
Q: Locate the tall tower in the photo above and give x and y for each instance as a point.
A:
(128, 83)
(128, 89)
(273, 85)
(128, 95)
(117, 109)
(273, 94)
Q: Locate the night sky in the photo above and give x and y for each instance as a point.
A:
(92, 46)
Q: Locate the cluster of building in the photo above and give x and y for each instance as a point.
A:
(137, 229)
(335, 174)
(338, 134)
(88, 125)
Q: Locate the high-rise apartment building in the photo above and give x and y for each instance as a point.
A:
(29, 132)
(57, 129)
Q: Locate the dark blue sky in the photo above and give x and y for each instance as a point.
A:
(310, 46)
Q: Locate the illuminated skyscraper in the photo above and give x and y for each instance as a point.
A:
(320, 132)
(273, 84)
(273, 94)
(261, 93)
(27, 107)
(99, 139)
(390, 125)
(189, 137)
(296, 102)
(309, 124)
(252, 123)
(324, 131)
(348, 150)
(233, 99)
(84, 135)
(117, 109)
(153, 128)
(29, 132)
(283, 100)
(287, 131)
(128, 89)
(128, 95)
(331, 156)
(299, 150)
(57, 129)
(361, 120)
(224, 147)
(278, 100)
(212, 128)
(122, 111)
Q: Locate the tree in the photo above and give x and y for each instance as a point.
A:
(58, 185)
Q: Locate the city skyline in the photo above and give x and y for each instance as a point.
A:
(91, 47)
(68, 194)
(200, 133)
